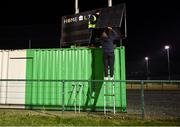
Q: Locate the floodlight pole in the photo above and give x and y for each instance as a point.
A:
(167, 47)
(29, 44)
(125, 27)
(76, 7)
(109, 3)
(147, 67)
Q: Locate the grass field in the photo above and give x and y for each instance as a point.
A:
(10, 117)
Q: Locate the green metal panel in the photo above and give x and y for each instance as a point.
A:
(56, 64)
(72, 64)
(120, 75)
(28, 95)
(97, 74)
(123, 77)
(97, 89)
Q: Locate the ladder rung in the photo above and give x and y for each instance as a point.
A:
(110, 110)
(108, 87)
(109, 103)
(109, 94)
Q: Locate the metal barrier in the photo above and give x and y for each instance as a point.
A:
(145, 98)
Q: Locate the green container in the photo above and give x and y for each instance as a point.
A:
(72, 64)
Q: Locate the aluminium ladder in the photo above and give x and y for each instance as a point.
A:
(76, 100)
(109, 97)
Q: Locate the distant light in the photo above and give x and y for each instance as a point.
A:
(166, 47)
(146, 58)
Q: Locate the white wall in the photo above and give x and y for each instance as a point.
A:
(4, 56)
(12, 66)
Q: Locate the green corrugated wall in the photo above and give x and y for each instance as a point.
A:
(72, 64)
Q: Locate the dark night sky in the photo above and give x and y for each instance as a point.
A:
(151, 24)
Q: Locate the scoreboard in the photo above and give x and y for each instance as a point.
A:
(74, 28)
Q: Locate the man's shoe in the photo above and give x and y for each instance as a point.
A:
(105, 78)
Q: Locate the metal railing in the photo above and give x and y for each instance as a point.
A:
(145, 98)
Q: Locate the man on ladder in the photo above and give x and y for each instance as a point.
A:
(108, 36)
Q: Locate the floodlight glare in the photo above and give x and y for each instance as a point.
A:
(166, 47)
(146, 58)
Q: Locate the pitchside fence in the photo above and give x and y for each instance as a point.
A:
(143, 98)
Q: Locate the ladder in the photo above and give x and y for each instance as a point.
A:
(75, 93)
(109, 97)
